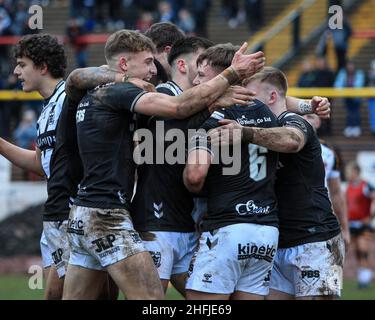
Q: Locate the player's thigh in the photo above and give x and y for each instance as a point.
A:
(240, 295)
(137, 277)
(179, 282)
(279, 295)
(197, 295)
(363, 243)
(54, 285)
(83, 284)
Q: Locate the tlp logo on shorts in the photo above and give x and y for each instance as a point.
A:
(156, 257)
(105, 245)
(57, 256)
(260, 253)
(310, 277)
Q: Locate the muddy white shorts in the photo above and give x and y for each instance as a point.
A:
(311, 269)
(172, 251)
(58, 244)
(237, 257)
(101, 237)
(45, 252)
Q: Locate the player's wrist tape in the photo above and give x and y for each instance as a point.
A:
(305, 107)
(231, 75)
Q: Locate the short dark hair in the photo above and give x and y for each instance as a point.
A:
(219, 57)
(43, 49)
(272, 76)
(188, 45)
(127, 41)
(164, 34)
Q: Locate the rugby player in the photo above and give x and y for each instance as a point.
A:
(164, 35)
(41, 65)
(107, 239)
(309, 260)
(333, 181)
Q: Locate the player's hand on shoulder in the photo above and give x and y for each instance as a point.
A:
(144, 85)
(229, 132)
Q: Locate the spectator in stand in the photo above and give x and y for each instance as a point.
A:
(307, 77)
(350, 77)
(371, 102)
(165, 12)
(186, 22)
(361, 209)
(5, 21)
(145, 21)
(20, 20)
(146, 5)
(26, 132)
(323, 77)
(75, 29)
(200, 9)
(340, 38)
(113, 22)
(254, 13)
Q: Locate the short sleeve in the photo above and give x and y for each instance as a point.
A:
(119, 96)
(296, 121)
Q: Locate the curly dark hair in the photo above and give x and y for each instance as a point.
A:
(43, 48)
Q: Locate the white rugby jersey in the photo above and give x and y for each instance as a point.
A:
(47, 124)
(330, 164)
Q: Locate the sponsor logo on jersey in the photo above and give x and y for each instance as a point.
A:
(80, 115)
(248, 251)
(158, 210)
(250, 208)
(121, 197)
(156, 257)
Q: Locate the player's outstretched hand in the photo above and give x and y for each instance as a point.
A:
(246, 65)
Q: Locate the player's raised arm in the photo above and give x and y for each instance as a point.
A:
(197, 98)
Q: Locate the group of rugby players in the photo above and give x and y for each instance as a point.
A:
(267, 231)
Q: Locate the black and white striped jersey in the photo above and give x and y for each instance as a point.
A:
(47, 124)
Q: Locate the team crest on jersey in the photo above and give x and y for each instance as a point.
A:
(51, 117)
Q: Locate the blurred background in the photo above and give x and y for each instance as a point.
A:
(298, 36)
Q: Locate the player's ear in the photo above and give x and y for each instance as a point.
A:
(44, 69)
(122, 64)
(272, 97)
(181, 65)
(167, 49)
